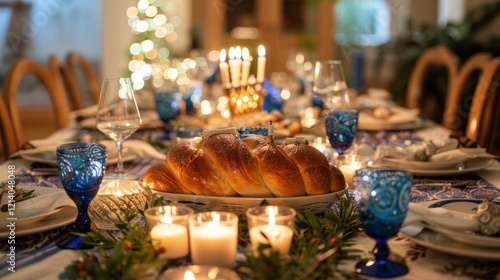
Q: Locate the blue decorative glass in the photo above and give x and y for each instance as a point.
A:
(81, 169)
(341, 127)
(382, 196)
(168, 106)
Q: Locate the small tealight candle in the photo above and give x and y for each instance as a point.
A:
(213, 238)
(198, 272)
(348, 164)
(169, 231)
(271, 225)
(172, 238)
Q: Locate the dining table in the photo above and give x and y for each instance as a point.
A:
(428, 254)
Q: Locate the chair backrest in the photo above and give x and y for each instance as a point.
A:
(453, 115)
(480, 122)
(49, 77)
(9, 144)
(436, 56)
(70, 70)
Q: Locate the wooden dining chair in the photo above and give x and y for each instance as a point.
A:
(436, 56)
(77, 63)
(49, 77)
(483, 108)
(455, 112)
(8, 137)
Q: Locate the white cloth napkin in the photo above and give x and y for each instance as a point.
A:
(460, 154)
(441, 217)
(47, 199)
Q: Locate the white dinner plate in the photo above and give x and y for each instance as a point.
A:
(28, 218)
(468, 206)
(468, 166)
(401, 119)
(439, 242)
(421, 165)
(65, 216)
(455, 242)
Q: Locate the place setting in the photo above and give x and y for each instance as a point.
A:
(464, 227)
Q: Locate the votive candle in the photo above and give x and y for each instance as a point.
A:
(173, 238)
(348, 164)
(213, 238)
(271, 225)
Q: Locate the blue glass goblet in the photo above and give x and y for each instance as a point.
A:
(81, 169)
(341, 127)
(382, 198)
(168, 107)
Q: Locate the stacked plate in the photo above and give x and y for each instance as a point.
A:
(462, 243)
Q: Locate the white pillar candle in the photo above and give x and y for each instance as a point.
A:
(213, 243)
(245, 71)
(173, 238)
(224, 70)
(261, 64)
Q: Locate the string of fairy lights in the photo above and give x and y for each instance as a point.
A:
(155, 24)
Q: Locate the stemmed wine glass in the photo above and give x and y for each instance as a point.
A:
(81, 169)
(341, 127)
(382, 198)
(330, 85)
(118, 117)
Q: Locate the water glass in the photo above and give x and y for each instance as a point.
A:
(330, 85)
(382, 196)
(81, 169)
(341, 127)
(168, 106)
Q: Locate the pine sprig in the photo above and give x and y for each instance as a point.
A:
(318, 246)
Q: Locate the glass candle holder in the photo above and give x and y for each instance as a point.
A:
(116, 200)
(169, 229)
(213, 238)
(199, 272)
(271, 225)
(348, 164)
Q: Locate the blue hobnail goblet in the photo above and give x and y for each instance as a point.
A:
(81, 169)
(341, 127)
(382, 196)
(168, 107)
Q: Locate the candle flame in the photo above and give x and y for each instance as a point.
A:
(231, 53)
(189, 275)
(238, 52)
(261, 50)
(272, 211)
(222, 55)
(215, 221)
(166, 218)
(245, 54)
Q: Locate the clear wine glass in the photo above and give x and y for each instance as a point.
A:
(341, 126)
(382, 196)
(81, 169)
(330, 85)
(118, 117)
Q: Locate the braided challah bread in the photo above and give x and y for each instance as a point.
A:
(220, 164)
